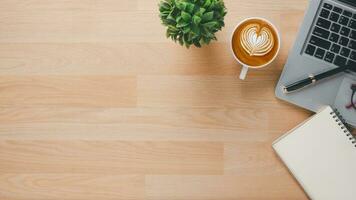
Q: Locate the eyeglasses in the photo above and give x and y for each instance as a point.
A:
(353, 97)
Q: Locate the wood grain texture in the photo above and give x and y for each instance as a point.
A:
(95, 103)
(222, 187)
(43, 186)
(68, 91)
(111, 157)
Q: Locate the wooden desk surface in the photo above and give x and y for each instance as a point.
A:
(95, 103)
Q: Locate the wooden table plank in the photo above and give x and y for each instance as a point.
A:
(221, 187)
(68, 91)
(43, 186)
(117, 157)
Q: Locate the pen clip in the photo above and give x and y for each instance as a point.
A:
(312, 78)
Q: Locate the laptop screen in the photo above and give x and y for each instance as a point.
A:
(350, 2)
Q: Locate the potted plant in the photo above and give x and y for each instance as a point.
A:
(192, 22)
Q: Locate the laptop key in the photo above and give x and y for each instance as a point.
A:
(345, 31)
(324, 13)
(323, 23)
(345, 52)
(347, 13)
(310, 49)
(321, 32)
(320, 42)
(327, 6)
(334, 37)
(344, 20)
(320, 53)
(353, 55)
(337, 9)
(335, 28)
(353, 35)
(335, 48)
(352, 44)
(343, 41)
(340, 61)
(352, 24)
(334, 17)
(351, 65)
(329, 57)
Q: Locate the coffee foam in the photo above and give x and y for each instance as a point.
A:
(256, 41)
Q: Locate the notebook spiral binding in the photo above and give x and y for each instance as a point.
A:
(341, 122)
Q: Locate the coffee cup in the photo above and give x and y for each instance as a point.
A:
(255, 43)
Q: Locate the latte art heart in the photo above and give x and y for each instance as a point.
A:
(256, 41)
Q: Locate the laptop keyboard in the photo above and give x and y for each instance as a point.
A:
(333, 37)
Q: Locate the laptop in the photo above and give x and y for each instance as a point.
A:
(326, 40)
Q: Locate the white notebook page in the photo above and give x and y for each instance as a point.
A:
(321, 157)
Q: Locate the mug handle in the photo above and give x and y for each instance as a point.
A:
(243, 72)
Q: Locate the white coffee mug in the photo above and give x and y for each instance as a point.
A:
(245, 67)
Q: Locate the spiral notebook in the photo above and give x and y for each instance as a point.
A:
(321, 154)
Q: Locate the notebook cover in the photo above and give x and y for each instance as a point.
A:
(321, 156)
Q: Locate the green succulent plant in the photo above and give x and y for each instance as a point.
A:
(192, 22)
